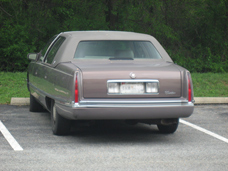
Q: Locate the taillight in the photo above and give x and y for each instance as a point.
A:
(189, 89)
(76, 90)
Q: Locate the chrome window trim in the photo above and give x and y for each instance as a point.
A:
(45, 55)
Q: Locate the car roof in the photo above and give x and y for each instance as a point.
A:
(107, 35)
(68, 48)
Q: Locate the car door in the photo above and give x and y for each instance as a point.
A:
(46, 71)
(41, 73)
(35, 72)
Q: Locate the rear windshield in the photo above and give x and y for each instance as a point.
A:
(116, 49)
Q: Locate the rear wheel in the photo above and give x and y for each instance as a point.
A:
(168, 129)
(60, 125)
(34, 105)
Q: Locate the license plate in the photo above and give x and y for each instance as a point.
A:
(132, 88)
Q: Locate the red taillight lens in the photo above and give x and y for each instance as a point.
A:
(189, 89)
(76, 90)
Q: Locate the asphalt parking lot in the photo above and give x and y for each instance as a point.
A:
(27, 143)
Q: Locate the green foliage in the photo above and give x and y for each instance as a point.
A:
(194, 32)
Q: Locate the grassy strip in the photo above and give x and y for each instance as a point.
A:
(210, 84)
(205, 85)
(12, 85)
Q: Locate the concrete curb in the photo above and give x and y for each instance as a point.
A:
(198, 100)
(211, 100)
(19, 101)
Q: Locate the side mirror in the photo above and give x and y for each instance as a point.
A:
(32, 56)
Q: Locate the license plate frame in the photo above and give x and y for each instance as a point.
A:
(113, 86)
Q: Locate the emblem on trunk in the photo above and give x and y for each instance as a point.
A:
(132, 75)
(170, 92)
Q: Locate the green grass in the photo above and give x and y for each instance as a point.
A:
(12, 85)
(205, 85)
(210, 84)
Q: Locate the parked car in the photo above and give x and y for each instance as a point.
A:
(108, 75)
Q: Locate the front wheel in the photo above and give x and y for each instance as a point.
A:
(168, 129)
(60, 125)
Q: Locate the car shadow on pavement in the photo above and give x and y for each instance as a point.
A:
(116, 132)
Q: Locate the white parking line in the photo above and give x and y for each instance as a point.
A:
(204, 131)
(14, 144)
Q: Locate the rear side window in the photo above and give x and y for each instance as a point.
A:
(116, 49)
(45, 48)
(53, 50)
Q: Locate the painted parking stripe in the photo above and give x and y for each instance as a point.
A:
(14, 144)
(204, 131)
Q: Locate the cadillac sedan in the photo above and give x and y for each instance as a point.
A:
(108, 75)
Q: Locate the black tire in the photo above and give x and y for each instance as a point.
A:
(168, 129)
(34, 105)
(60, 125)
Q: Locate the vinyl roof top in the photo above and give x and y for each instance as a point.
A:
(107, 35)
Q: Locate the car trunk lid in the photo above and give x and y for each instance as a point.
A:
(96, 74)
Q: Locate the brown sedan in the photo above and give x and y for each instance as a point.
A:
(108, 75)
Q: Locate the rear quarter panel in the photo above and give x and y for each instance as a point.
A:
(56, 83)
(62, 80)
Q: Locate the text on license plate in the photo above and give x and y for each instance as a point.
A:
(132, 88)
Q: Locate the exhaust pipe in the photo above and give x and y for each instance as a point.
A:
(169, 121)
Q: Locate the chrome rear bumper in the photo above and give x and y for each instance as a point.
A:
(97, 110)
